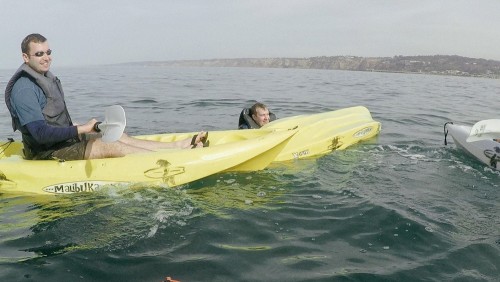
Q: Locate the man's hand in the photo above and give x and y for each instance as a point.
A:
(88, 127)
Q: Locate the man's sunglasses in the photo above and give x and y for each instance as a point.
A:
(41, 53)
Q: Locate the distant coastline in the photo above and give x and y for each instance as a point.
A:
(436, 64)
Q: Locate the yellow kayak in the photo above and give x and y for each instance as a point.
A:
(303, 136)
(318, 134)
(228, 151)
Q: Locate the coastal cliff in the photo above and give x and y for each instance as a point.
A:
(438, 64)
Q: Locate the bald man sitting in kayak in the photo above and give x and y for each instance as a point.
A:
(35, 100)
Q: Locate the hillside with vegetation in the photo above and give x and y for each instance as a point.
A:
(438, 64)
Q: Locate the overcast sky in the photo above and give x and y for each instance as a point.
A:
(88, 32)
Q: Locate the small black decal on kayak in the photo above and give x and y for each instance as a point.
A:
(300, 154)
(3, 177)
(335, 144)
(164, 171)
(493, 156)
(363, 132)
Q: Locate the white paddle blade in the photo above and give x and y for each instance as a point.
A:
(484, 130)
(111, 132)
(114, 123)
(115, 114)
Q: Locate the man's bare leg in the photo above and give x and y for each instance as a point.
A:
(96, 149)
(154, 145)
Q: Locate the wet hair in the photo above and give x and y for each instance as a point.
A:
(35, 38)
(253, 109)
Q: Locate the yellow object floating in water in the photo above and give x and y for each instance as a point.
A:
(297, 137)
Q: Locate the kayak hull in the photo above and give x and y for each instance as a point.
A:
(317, 134)
(171, 166)
(304, 136)
(486, 151)
(320, 134)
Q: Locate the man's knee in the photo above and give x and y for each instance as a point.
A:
(98, 149)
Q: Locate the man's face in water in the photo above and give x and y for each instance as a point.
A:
(261, 117)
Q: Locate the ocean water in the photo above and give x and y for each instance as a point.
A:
(400, 207)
